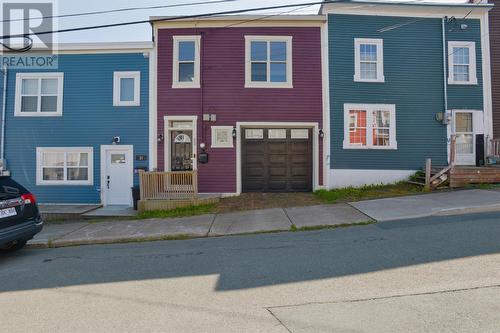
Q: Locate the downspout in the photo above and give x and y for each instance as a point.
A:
(445, 65)
(4, 107)
(446, 120)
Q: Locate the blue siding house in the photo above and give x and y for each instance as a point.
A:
(79, 132)
(402, 79)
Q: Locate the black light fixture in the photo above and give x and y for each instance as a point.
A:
(234, 132)
(321, 133)
(160, 138)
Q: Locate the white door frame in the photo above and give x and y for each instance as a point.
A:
(104, 150)
(166, 137)
(477, 128)
(315, 143)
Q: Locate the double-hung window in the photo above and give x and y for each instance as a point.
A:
(64, 166)
(368, 60)
(268, 62)
(126, 88)
(186, 67)
(39, 94)
(462, 63)
(370, 126)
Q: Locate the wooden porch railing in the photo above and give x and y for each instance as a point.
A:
(492, 148)
(168, 185)
(434, 179)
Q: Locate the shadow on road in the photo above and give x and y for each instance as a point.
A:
(259, 260)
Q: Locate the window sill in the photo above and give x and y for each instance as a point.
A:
(351, 147)
(186, 86)
(269, 85)
(358, 79)
(218, 147)
(38, 114)
(64, 183)
(127, 104)
(473, 82)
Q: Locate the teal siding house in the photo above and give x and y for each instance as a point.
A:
(78, 132)
(402, 79)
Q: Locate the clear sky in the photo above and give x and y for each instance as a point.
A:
(143, 32)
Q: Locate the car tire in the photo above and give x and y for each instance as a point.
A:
(15, 246)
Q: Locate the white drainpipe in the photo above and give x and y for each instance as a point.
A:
(4, 106)
(445, 56)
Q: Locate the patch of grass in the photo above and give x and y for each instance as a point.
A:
(368, 192)
(178, 212)
(343, 225)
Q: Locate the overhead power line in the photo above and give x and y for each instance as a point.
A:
(120, 10)
(184, 17)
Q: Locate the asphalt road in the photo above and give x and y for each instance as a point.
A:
(438, 274)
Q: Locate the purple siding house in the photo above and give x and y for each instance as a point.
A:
(241, 100)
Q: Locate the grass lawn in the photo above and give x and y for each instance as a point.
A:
(368, 192)
(178, 212)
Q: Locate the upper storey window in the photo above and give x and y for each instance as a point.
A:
(186, 68)
(368, 60)
(268, 62)
(462, 63)
(39, 94)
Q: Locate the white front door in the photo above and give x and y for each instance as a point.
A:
(463, 125)
(118, 175)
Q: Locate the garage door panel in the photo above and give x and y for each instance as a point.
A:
(300, 158)
(299, 147)
(275, 172)
(277, 165)
(277, 185)
(277, 159)
(299, 171)
(255, 172)
(254, 147)
(299, 186)
(277, 147)
(255, 185)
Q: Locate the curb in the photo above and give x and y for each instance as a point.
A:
(124, 240)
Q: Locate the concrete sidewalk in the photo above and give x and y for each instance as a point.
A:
(424, 205)
(269, 220)
(245, 222)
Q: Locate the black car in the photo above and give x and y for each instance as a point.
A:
(20, 218)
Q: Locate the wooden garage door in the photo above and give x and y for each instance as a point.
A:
(276, 160)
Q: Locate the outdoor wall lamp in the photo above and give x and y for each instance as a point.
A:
(321, 133)
(160, 138)
(234, 132)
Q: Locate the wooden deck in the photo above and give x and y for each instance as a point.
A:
(461, 176)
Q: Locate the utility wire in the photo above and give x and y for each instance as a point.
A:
(119, 10)
(111, 25)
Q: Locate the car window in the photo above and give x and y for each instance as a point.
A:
(10, 189)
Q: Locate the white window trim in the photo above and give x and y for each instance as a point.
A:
(380, 59)
(39, 168)
(248, 63)
(369, 108)
(117, 76)
(472, 65)
(19, 80)
(229, 130)
(175, 68)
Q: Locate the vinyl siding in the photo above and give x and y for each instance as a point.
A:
(223, 92)
(89, 120)
(413, 70)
